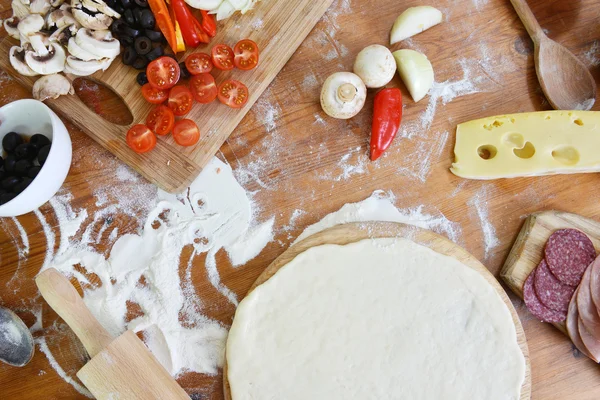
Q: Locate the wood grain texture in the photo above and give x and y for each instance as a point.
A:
(294, 160)
(528, 250)
(354, 232)
(284, 25)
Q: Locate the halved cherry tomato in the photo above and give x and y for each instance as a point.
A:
(246, 54)
(186, 132)
(163, 73)
(154, 95)
(161, 120)
(199, 63)
(204, 88)
(233, 93)
(222, 57)
(180, 100)
(141, 139)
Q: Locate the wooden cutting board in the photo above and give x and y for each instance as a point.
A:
(527, 252)
(354, 232)
(278, 27)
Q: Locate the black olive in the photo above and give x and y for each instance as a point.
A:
(143, 45)
(38, 140)
(185, 74)
(127, 3)
(1, 162)
(6, 197)
(10, 141)
(22, 166)
(155, 36)
(126, 41)
(19, 187)
(128, 17)
(140, 63)
(142, 78)
(9, 163)
(155, 53)
(131, 32)
(146, 19)
(141, 3)
(117, 27)
(129, 56)
(33, 171)
(43, 154)
(27, 151)
(110, 3)
(119, 8)
(9, 182)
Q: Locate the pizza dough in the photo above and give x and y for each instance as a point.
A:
(375, 319)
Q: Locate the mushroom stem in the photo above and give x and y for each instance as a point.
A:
(347, 92)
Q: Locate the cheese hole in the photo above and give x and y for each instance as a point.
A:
(566, 155)
(514, 140)
(487, 152)
(526, 151)
(578, 121)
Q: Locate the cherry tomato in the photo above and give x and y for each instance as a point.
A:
(141, 139)
(233, 93)
(153, 95)
(199, 63)
(204, 88)
(161, 120)
(186, 132)
(163, 73)
(180, 100)
(222, 57)
(246, 54)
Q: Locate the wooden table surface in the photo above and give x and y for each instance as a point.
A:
(291, 156)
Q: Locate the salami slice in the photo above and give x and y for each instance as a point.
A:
(595, 283)
(552, 293)
(573, 328)
(535, 306)
(586, 308)
(568, 253)
(591, 344)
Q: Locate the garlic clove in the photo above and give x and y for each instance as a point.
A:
(413, 21)
(416, 72)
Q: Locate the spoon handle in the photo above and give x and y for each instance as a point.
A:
(531, 24)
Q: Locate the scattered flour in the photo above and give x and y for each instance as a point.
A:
(592, 55)
(352, 163)
(479, 203)
(319, 120)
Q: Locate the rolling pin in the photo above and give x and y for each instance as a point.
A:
(121, 368)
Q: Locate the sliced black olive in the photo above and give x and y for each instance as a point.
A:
(155, 36)
(19, 187)
(9, 163)
(117, 26)
(140, 63)
(129, 56)
(119, 8)
(110, 3)
(126, 40)
(6, 197)
(137, 16)
(26, 150)
(185, 74)
(142, 78)
(155, 53)
(33, 171)
(142, 45)
(22, 166)
(9, 182)
(127, 3)
(38, 140)
(141, 3)
(43, 154)
(128, 17)
(10, 141)
(131, 32)
(146, 19)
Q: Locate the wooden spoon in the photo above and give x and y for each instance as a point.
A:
(565, 80)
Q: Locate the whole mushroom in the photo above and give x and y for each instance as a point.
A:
(375, 65)
(343, 95)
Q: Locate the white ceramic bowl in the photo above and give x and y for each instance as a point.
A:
(29, 117)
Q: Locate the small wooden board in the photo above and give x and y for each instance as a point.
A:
(278, 27)
(354, 232)
(527, 252)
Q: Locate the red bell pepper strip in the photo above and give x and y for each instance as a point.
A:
(208, 23)
(190, 26)
(164, 21)
(387, 116)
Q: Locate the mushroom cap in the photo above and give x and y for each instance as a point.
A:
(20, 9)
(96, 22)
(11, 25)
(16, 57)
(40, 7)
(375, 65)
(31, 24)
(100, 43)
(343, 95)
(51, 87)
(51, 63)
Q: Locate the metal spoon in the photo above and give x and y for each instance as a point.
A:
(565, 80)
(16, 342)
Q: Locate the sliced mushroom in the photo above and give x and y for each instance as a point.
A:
(50, 61)
(97, 22)
(20, 10)
(100, 43)
(31, 24)
(51, 87)
(71, 71)
(40, 7)
(11, 27)
(17, 60)
(100, 6)
(76, 51)
(56, 3)
(60, 18)
(62, 35)
(88, 67)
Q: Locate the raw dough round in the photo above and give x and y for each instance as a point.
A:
(375, 319)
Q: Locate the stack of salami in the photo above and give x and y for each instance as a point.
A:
(565, 286)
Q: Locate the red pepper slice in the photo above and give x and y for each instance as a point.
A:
(208, 23)
(191, 28)
(387, 116)
(164, 21)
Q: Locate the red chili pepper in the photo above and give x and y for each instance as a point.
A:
(387, 116)
(191, 29)
(208, 23)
